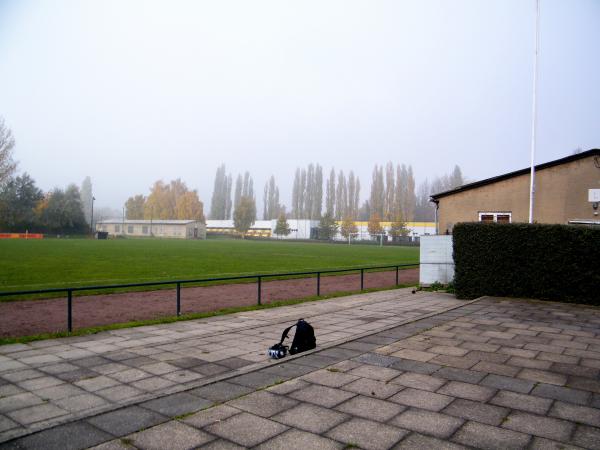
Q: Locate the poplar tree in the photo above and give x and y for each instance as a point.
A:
(390, 192)
(238, 192)
(86, 199)
(330, 194)
(377, 191)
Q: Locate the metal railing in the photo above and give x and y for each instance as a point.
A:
(179, 283)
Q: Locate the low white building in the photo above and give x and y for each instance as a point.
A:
(181, 229)
(299, 229)
(415, 230)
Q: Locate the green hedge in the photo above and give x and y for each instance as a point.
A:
(550, 262)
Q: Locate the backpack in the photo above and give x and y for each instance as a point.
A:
(304, 339)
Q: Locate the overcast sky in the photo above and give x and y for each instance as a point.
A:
(129, 92)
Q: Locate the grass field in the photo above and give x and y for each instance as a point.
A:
(52, 263)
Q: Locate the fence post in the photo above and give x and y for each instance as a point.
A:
(259, 290)
(70, 310)
(396, 275)
(318, 284)
(178, 299)
(362, 279)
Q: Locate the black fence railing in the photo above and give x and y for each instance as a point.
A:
(178, 283)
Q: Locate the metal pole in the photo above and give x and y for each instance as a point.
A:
(178, 299)
(396, 275)
(259, 290)
(362, 279)
(70, 310)
(534, 112)
(318, 284)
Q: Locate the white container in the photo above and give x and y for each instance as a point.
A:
(437, 264)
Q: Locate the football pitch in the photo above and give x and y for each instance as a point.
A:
(54, 263)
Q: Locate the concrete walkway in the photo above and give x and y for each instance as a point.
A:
(493, 373)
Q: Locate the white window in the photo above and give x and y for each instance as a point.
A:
(117, 228)
(130, 229)
(495, 216)
(144, 229)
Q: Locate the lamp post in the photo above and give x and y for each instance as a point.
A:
(92, 219)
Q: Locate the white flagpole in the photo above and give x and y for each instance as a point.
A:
(534, 111)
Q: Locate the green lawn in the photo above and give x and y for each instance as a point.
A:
(53, 263)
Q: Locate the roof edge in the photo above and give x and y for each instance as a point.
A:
(546, 165)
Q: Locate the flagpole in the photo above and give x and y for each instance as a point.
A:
(534, 111)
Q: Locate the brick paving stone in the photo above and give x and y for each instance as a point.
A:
(152, 384)
(301, 440)
(39, 383)
(422, 399)
(422, 442)
(311, 418)
(258, 379)
(416, 366)
(508, 383)
(18, 401)
(428, 422)
(478, 435)
(498, 369)
(559, 430)
(58, 392)
(322, 395)
(80, 402)
(459, 362)
(109, 368)
(585, 384)
(467, 390)
(497, 358)
(415, 355)
(370, 408)
(209, 369)
(209, 416)
(235, 362)
(119, 393)
(562, 393)
(7, 424)
(419, 381)
(90, 361)
(539, 443)
(328, 378)
(367, 434)
(477, 411)
(176, 404)
(288, 386)
(172, 435)
(115, 444)
(263, 403)
(575, 413)
(37, 413)
(373, 388)
(22, 375)
(376, 360)
(587, 437)
(340, 353)
(555, 357)
(221, 391)
(246, 429)
(159, 368)
(466, 376)
(447, 350)
(374, 372)
(221, 444)
(58, 368)
(518, 352)
(187, 362)
(577, 370)
(318, 360)
(522, 402)
(529, 363)
(480, 346)
(126, 420)
(288, 370)
(72, 436)
(96, 383)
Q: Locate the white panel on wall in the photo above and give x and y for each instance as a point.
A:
(436, 260)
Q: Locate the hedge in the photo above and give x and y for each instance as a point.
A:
(548, 262)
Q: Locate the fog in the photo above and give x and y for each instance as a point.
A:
(129, 92)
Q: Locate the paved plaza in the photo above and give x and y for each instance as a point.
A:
(392, 370)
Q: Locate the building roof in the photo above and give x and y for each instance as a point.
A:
(556, 162)
(147, 222)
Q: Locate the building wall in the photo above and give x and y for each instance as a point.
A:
(178, 231)
(561, 195)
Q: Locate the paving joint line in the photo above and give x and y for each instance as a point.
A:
(184, 387)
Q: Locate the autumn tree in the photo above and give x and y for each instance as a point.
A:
(7, 143)
(348, 227)
(327, 227)
(244, 215)
(330, 194)
(398, 227)
(271, 206)
(377, 200)
(134, 207)
(189, 206)
(374, 225)
(63, 211)
(282, 228)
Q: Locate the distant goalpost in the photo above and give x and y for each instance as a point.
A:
(381, 235)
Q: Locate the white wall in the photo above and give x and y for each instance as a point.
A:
(437, 264)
